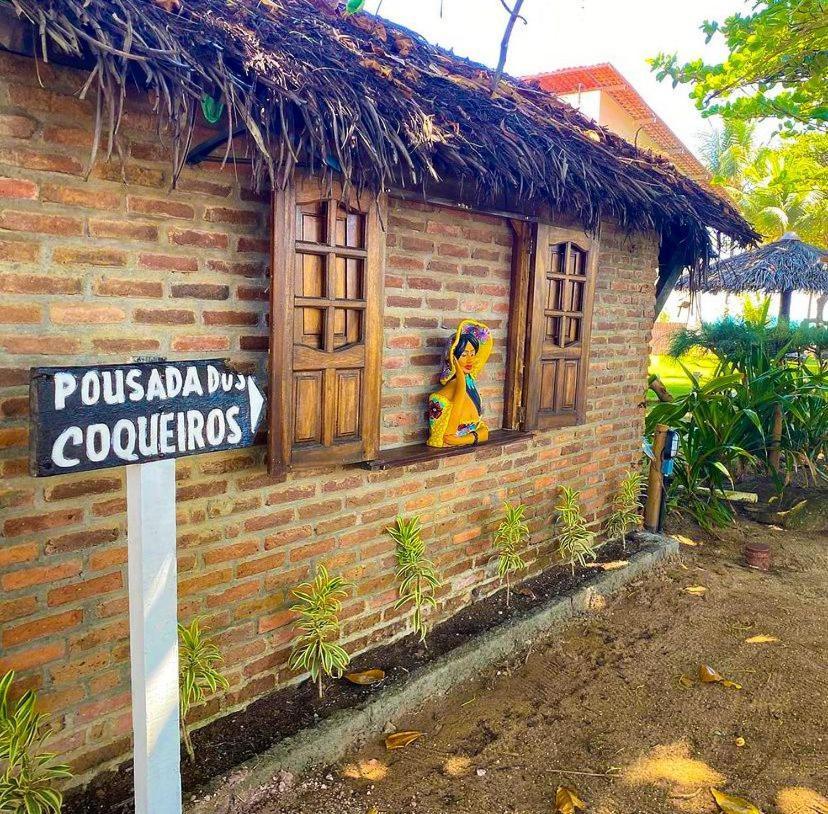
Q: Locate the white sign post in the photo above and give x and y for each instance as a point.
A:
(153, 636)
(144, 415)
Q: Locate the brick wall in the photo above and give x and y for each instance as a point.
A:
(101, 270)
(442, 266)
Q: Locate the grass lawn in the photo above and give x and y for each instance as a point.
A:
(674, 378)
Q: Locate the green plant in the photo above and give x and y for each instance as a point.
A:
(317, 649)
(416, 573)
(511, 534)
(27, 774)
(576, 542)
(198, 657)
(626, 508)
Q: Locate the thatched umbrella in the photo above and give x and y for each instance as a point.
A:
(785, 266)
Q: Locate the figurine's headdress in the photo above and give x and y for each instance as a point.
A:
(482, 337)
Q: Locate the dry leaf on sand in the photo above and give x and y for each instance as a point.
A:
(613, 565)
(696, 590)
(730, 804)
(399, 740)
(708, 675)
(761, 639)
(567, 801)
(366, 677)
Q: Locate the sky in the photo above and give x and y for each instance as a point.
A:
(564, 33)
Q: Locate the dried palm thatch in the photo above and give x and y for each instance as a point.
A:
(786, 265)
(374, 101)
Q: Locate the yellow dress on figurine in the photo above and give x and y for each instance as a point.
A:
(455, 411)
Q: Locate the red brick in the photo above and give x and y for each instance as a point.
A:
(16, 554)
(39, 628)
(237, 592)
(17, 188)
(166, 262)
(33, 284)
(115, 287)
(194, 237)
(81, 539)
(17, 407)
(36, 160)
(254, 244)
(69, 136)
(275, 620)
(32, 657)
(83, 590)
(21, 314)
(40, 223)
(249, 292)
(260, 565)
(268, 520)
(203, 581)
(123, 229)
(394, 301)
(122, 345)
(13, 437)
(17, 126)
(40, 522)
(204, 187)
(18, 251)
(108, 558)
(254, 343)
(235, 551)
(201, 291)
(88, 256)
(208, 342)
(222, 214)
(160, 208)
(37, 345)
(91, 196)
(312, 550)
(41, 575)
(167, 316)
(86, 314)
(230, 318)
(17, 608)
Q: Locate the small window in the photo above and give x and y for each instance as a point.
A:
(326, 307)
(552, 289)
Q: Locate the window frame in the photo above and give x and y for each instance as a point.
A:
(530, 261)
(284, 352)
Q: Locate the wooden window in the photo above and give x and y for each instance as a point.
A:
(326, 328)
(559, 292)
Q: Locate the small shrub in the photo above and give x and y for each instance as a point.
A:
(198, 657)
(512, 534)
(317, 650)
(416, 573)
(27, 774)
(626, 508)
(576, 542)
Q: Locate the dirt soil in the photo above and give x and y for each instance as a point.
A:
(611, 704)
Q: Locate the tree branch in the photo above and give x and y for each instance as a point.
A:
(514, 16)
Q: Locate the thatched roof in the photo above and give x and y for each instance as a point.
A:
(376, 101)
(785, 265)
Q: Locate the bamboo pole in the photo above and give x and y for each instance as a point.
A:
(655, 482)
(775, 451)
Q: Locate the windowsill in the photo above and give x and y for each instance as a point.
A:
(418, 453)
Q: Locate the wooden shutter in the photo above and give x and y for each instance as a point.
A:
(326, 331)
(560, 317)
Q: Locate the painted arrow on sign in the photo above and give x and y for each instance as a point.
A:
(86, 418)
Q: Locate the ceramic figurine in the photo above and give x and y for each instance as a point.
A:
(454, 411)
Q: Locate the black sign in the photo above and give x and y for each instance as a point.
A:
(95, 417)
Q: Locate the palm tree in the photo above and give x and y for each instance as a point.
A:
(727, 152)
(776, 200)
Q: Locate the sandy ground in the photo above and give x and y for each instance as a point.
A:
(602, 705)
